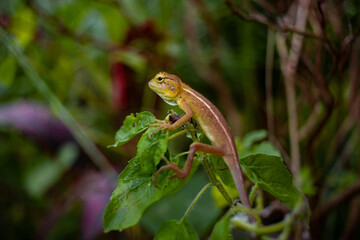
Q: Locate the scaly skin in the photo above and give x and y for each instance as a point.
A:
(173, 91)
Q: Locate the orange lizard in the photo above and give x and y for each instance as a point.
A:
(174, 92)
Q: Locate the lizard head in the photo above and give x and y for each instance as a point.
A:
(167, 86)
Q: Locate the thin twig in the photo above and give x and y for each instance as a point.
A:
(268, 83)
(256, 17)
(269, 99)
(311, 122)
(325, 208)
(208, 69)
(353, 220)
(196, 199)
(289, 67)
(354, 73)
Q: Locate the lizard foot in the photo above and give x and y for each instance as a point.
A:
(171, 166)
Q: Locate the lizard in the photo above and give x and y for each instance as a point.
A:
(174, 92)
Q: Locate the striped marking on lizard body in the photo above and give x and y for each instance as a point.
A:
(213, 113)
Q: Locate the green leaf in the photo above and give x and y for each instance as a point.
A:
(249, 145)
(252, 137)
(272, 176)
(23, 26)
(222, 170)
(136, 189)
(245, 147)
(219, 199)
(221, 230)
(7, 71)
(176, 229)
(265, 147)
(253, 142)
(133, 125)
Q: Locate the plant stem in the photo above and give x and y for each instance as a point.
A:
(208, 169)
(274, 228)
(242, 208)
(182, 154)
(253, 193)
(178, 134)
(285, 225)
(260, 201)
(196, 199)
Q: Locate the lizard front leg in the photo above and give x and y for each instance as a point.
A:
(161, 125)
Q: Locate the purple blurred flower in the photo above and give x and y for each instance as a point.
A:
(35, 120)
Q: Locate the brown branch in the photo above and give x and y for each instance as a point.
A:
(209, 69)
(325, 208)
(293, 124)
(316, 130)
(259, 18)
(353, 220)
(347, 150)
(319, 214)
(355, 110)
(268, 84)
(338, 138)
(269, 98)
(311, 122)
(318, 24)
(354, 73)
(289, 66)
(319, 80)
(346, 48)
(256, 17)
(336, 145)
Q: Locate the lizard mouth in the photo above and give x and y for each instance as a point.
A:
(151, 84)
(155, 87)
(169, 100)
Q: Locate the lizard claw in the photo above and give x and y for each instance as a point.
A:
(160, 124)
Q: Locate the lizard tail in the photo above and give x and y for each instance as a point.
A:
(237, 175)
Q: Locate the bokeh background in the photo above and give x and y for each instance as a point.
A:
(71, 70)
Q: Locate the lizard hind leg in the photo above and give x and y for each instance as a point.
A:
(194, 147)
(169, 165)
